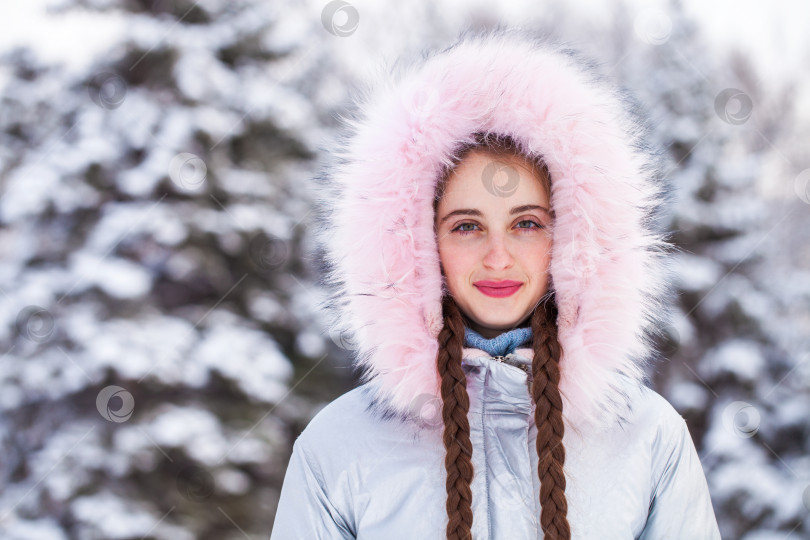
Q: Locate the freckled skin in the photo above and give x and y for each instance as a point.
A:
(496, 245)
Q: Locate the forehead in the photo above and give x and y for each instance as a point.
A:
(481, 157)
(484, 173)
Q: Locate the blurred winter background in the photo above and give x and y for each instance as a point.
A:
(162, 344)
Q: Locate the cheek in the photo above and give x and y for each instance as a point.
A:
(536, 258)
(457, 261)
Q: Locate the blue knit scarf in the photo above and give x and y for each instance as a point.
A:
(501, 345)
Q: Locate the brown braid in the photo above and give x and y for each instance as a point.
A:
(549, 421)
(455, 406)
(548, 418)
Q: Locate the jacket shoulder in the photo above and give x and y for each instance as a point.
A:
(651, 421)
(348, 429)
(665, 429)
(346, 412)
(653, 406)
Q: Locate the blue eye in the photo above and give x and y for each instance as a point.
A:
(530, 221)
(462, 232)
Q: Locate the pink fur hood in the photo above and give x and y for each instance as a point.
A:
(608, 264)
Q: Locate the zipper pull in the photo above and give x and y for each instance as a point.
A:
(511, 359)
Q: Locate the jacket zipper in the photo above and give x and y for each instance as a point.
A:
(508, 360)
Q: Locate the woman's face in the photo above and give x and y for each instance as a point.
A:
(493, 225)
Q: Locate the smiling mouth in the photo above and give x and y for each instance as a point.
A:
(499, 291)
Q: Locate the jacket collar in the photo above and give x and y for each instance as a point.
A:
(382, 265)
(500, 387)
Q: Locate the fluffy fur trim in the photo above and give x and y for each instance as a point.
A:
(608, 266)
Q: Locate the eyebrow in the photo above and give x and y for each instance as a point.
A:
(474, 212)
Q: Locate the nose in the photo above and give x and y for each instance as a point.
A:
(498, 256)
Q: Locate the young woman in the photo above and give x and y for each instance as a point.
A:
(491, 255)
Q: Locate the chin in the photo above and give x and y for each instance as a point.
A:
(500, 323)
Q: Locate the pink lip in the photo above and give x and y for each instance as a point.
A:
(498, 289)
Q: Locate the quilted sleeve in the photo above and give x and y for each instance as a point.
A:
(304, 509)
(681, 506)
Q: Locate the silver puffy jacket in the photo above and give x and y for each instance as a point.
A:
(355, 474)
